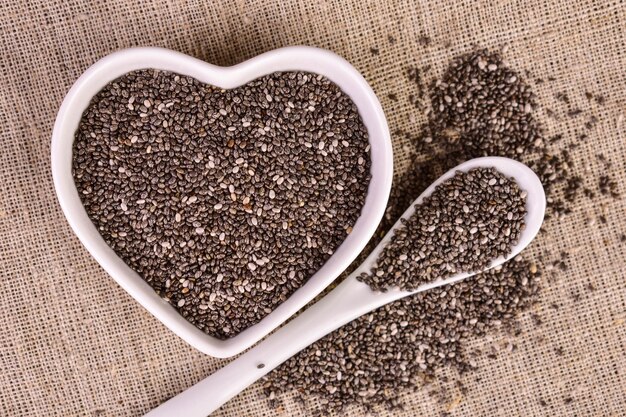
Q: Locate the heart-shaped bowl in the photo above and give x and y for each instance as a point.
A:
(296, 58)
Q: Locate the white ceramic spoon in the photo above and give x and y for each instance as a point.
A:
(347, 301)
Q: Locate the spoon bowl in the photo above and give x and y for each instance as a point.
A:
(346, 302)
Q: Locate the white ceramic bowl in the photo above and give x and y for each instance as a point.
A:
(297, 58)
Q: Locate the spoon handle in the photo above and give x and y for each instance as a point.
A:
(347, 301)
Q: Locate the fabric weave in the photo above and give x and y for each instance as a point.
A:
(73, 343)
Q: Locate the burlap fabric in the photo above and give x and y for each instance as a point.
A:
(73, 343)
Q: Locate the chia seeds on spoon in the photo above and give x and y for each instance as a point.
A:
(224, 201)
(468, 221)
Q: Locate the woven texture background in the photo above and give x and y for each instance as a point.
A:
(73, 343)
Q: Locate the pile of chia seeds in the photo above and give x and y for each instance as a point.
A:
(224, 201)
(468, 221)
(479, 107)
(482, 107)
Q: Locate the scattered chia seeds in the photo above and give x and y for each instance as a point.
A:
(224, 201)
(481, 107)
(467, 222)
(607, 186)
(488, 105)
(373, 359)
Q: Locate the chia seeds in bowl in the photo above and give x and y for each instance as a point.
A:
(224, 201)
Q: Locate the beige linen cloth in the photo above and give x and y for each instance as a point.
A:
(73, 343)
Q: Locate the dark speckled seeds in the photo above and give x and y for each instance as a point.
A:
(225, 202)
(468, 221)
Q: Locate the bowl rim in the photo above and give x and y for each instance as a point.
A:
(293, 58)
